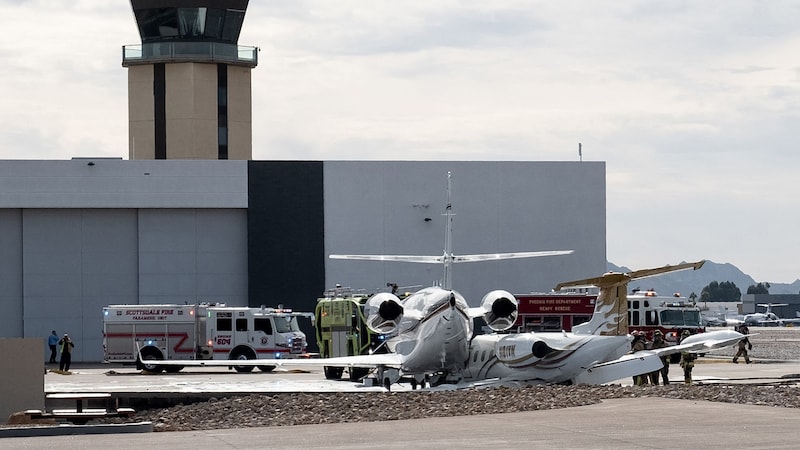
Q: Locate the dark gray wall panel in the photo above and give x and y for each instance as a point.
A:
(11, 273)
(285, 226)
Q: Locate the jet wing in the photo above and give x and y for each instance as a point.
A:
(622, 367)
(702, 342)
(392, 360)
(779, 321)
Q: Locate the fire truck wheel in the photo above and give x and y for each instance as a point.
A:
(151, 354)
(266, 368)
(333, 373)
(173, 369)
(243, 355)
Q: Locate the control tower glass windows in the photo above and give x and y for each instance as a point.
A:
(192, 22)
(189, 24)
(157, 23)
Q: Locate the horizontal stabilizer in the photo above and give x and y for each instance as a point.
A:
(455, 258)
(395, 258)
(615, 278)
(515, 255)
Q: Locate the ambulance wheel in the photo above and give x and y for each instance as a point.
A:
(243, 355)
(151, 354)
(357, 373)
(333, 373)
(266, 368)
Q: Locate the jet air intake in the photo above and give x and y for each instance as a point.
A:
(383, 312)
(501, 310)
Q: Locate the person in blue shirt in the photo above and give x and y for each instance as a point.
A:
(52, 341)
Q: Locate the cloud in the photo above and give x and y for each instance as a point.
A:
(693, 105)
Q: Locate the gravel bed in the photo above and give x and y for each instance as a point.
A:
(260, 410)
(264, 410)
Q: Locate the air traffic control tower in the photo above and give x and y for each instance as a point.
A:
(189, 94)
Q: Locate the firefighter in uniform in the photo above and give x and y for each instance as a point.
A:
(744, 345)
(687, 360)
(659, 342)
(639, 343)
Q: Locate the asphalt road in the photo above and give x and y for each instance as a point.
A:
(634, 423)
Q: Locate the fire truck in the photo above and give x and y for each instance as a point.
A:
(342, 331)
(145, 334)
(553, 311)
(647, 312)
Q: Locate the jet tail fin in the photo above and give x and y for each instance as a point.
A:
(610, 316)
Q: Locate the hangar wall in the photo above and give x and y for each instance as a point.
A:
(396, 207)
(78, 236)
(75, 261)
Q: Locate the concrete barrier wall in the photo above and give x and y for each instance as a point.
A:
(21, 375)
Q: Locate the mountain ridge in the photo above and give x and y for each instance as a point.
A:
(686, 282)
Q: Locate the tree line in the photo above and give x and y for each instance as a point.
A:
(727, 291)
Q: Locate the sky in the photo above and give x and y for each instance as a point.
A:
(693, 105)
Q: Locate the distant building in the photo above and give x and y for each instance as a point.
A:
(750, 302)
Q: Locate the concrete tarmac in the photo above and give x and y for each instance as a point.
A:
(617, 423)
(634, 423)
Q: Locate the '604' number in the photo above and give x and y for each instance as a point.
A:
(223, 341)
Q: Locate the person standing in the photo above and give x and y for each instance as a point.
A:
(638, 344)
(66, 353)
(744, 345)
(52, 341)
(659, 342)
(687, 360)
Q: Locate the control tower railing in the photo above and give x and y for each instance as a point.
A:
(168, 52)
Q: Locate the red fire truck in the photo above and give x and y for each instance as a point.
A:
(647, 312)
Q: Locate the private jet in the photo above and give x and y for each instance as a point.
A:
(768, 317)
(595, 352)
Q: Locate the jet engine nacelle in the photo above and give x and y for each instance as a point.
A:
(521, 349)
(501, 310)
(383, 312)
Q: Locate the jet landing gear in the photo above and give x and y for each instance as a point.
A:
(421, 380)
(387, 377)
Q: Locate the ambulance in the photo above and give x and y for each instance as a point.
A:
(146, 334)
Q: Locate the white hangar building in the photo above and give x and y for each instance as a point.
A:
(81, 234)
